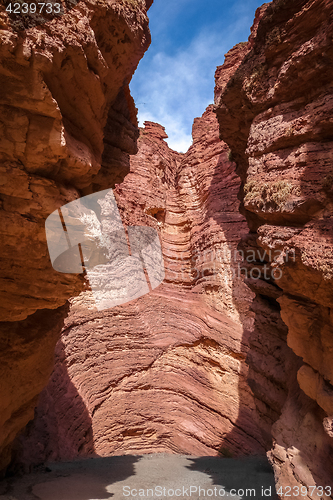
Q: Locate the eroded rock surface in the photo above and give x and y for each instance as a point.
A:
(190, 367)
(275, 113)
(68, 125)
(165, 373)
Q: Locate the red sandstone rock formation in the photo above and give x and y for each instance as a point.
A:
(68, 125)
(275, 113)
(171, 371)
(167, 372)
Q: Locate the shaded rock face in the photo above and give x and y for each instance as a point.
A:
(167, 372)
(68, 125)
(275, 113)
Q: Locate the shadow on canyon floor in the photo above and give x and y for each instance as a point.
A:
(78, 480)
(148, 476)
(251, 473)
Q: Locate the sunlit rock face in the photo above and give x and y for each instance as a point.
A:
(275, 113)
(68, 125)
(166, 372)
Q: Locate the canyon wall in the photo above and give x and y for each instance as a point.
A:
(275, 113)
(166, 372)
(232, 353)
(68, 124)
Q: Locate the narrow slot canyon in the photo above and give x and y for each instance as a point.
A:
(220, 376)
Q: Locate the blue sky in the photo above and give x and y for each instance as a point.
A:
(174, 82)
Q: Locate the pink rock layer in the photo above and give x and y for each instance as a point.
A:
(167, 372)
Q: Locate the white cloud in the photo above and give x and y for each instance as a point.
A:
(174, 89)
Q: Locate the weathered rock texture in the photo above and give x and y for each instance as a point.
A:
(167, 372)
(68, 125)
(190, 367)
(275, 113)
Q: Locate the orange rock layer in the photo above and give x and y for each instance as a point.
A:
(68, 125)
(211, 361)
(276, 115)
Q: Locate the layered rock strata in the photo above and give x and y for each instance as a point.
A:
(68, 125)
(167, 372)
(177, 369)
(275, 114)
